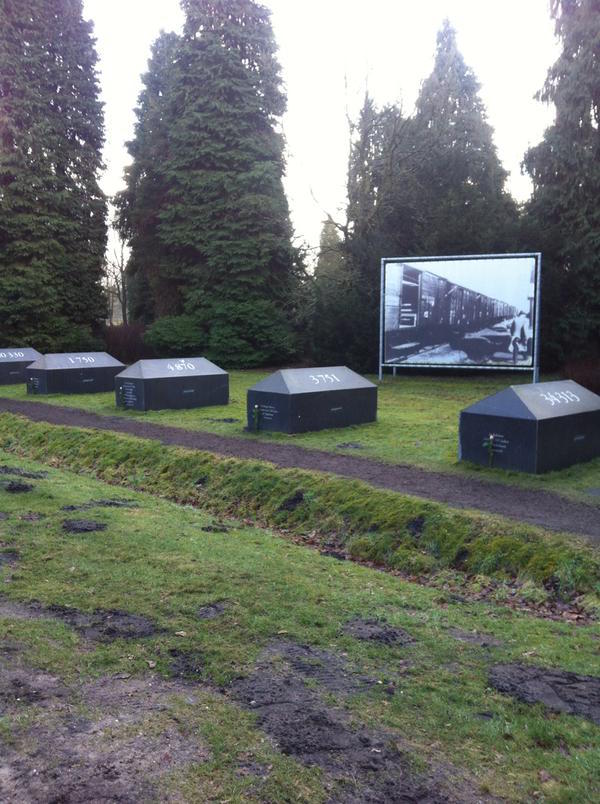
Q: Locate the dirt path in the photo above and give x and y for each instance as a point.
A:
(542, 508)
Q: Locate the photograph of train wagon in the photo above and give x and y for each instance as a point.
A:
(469, 311)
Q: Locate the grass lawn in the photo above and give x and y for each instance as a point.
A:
(157, 560)
(417, 424)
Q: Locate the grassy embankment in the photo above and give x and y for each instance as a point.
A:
(417, 424)
(399, 532)
(156, 560)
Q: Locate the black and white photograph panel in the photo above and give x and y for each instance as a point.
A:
(467, 311)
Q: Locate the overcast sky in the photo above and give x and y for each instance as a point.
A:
(330, 52)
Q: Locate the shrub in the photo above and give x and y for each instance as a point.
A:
(176, 336)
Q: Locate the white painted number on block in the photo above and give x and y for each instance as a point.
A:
(559, 397)
(324, 378)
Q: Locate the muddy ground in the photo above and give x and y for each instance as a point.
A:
(290, 691)
(558, 690)
(542, 508)
(107, 740)
(117, 739)
(100, 625)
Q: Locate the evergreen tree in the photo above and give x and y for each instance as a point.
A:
(152, 280)
(226, 272)
(331, 323)
(52, 212)
(564, 212)
(383, 219)
(429, 184)
(462, 180)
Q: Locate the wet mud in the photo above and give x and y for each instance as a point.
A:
(108, 740)
(101, 625)
(378, 631)
(559, 690)
(288, 693)
(186, 664)
(17, 487)
(212, 610)
(16, 472)
(82, 525)
(110, 503)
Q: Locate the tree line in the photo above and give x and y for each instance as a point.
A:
(213, 265)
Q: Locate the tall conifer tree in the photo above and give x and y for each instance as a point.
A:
(52, 212)
(462, 180)
(564, 213)
(153, 287)
(228, 268)
(383, 218)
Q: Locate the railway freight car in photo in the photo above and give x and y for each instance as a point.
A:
(473, 312)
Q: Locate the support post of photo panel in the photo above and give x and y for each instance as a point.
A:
(471, 312)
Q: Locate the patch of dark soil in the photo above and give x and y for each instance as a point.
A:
(32, 516)
(130, 738)
(111, 503)
(325, 668)
(8, 557)
(378, 631)
(485, 715)
(559, 690)
(218, 527)
(366, 765)
(350, 445)
(22, 686)
(292, 502)
(543, 508)
(101, 625)
(416, 525)
(82, 525)
(117, 502)
(17, 487)
(16, 472)
(105, 625)
(474, 638)
(186, 664)
(3, 516)
(212, 610)
(227, 420)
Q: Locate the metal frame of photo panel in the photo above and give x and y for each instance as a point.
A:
(534, 367)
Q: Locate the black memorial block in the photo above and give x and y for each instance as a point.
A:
(532, 428)
(73, 373)
(13, 364)
(299, 400)
(189, 382)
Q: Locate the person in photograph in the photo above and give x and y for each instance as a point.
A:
(520, 332)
